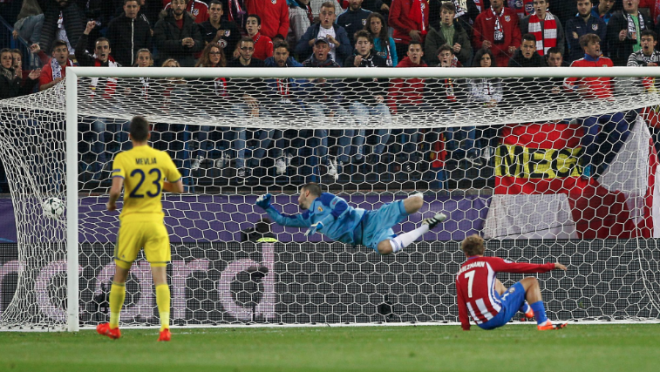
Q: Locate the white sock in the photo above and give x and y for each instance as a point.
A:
(401, 241)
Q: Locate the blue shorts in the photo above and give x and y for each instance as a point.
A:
(378, 224)
(512, 300)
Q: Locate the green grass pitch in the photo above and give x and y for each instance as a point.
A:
(629, 348)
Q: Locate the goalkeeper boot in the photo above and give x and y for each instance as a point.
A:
(548, 326)
(105, 330)
(435, 220)
(165, 335)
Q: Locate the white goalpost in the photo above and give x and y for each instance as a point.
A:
(540, 166)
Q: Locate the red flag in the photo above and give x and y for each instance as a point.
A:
(544, 159)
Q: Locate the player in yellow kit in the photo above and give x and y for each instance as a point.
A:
(144, 173)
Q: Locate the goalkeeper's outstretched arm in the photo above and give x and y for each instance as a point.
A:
(298, 220)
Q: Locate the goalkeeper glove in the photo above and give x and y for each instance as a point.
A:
(312, 229)
(264, 201)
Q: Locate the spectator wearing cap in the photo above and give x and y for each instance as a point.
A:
(324, 101)
(335, 36)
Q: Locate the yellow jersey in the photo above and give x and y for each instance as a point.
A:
(144, 170)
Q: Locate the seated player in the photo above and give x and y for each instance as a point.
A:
(489, 303)
(146, 173)
(332, 216)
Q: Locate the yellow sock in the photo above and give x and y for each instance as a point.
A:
(163, 301)
(117, 297)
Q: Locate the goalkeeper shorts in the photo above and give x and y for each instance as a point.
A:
(378, 224)
(150, 235)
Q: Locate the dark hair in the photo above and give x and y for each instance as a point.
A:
(554, 50)
(58, 43)
(473, 245)
(476, 62)
(383, 36)
(588, 38)
(649, 33)
(246, 39)
(255, 17)
(365, 34)
(101, 39)
(448, 5)
(282, 44)
(139, 129)
(7, 50)
(205, 60)
(313, 188)
(137, 1)
(415, 42)
(443, 48)
(529, 37)
(217, 3)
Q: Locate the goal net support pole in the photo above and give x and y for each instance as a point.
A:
(72, 247)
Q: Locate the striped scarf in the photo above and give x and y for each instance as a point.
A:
(57, 69)
(546, 36)
(111, 84)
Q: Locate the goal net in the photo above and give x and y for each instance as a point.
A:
(545, 165)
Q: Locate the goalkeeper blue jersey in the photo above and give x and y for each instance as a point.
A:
(340, 221)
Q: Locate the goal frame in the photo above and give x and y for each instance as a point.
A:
(71, 111)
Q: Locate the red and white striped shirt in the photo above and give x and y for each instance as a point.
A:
(475, 286)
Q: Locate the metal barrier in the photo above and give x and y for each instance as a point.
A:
(30, 60)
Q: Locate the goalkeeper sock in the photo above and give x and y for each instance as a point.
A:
(117, 297)
(163, 301)
(539, 312)
(404, 240)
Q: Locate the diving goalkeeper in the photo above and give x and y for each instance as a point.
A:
(331, 216)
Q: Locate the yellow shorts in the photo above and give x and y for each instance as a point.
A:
(135, 235)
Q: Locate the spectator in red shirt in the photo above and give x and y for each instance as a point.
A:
(593, 88)
(481, 296)
(197, 9)
(497, 29)
(274, 13)
(263, 45)
(55, 70)
(406, 97)
(410, 20)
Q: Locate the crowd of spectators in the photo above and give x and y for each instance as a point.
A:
(333, 34)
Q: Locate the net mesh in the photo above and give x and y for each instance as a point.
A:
(540, 167)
